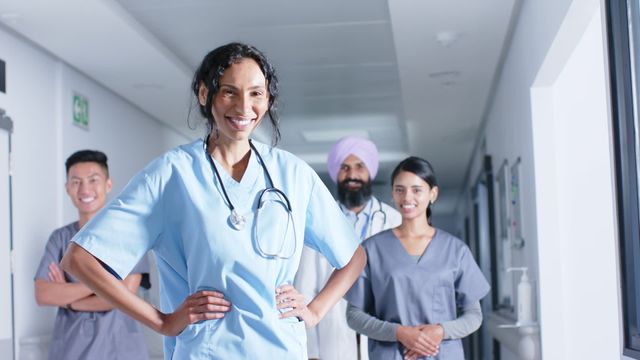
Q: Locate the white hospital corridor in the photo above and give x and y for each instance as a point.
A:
(527, 113)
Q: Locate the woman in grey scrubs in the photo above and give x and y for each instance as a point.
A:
(417, 276)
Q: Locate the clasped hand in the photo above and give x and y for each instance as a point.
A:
(421, 340)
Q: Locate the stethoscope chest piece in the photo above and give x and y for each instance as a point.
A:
(237, 221)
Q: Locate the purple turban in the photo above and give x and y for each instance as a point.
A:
(363, 148)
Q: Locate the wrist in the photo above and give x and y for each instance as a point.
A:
(315, 315)
(400, 331)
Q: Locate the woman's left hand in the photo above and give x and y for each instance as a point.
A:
(287, 297)
(434, 332)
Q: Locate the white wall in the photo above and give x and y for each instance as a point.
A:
(39, 99)
(575, 194)
(509, 134)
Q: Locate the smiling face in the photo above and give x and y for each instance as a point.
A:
(241, 101)
(87, 186)
(354, 182)
(412, 195)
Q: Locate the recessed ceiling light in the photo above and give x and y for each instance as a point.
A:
(332, 135)
(447, 38)
(450, 74)
(10, 18)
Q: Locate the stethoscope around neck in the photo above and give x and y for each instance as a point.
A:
(238, 221)
(367, 229)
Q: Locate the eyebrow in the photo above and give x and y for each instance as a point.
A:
(250, 88)
(80, 177)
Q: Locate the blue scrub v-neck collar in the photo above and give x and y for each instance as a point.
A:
(404, 254)
(249, 177)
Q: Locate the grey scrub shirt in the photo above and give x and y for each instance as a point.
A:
(394, 288)
(90, 335)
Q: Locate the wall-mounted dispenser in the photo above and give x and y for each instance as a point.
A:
(525, 297)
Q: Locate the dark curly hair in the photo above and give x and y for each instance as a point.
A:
(214, 65)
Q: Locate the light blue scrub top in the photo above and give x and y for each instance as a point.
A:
(175, 207)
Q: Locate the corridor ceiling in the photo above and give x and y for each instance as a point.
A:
(415, 76)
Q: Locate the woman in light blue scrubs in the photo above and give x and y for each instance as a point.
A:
(417, 277)
(227, 218)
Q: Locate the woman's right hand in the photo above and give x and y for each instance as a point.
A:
(415, 342)
(199, 306)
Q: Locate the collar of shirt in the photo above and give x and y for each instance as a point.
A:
(359, 220)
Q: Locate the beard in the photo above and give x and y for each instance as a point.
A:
(354, 198)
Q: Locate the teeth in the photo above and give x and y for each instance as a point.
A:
(241, 122)
(408, 206)
(87, 200)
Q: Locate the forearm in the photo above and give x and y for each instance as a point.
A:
(87, 269)
(95, 303)
(59, 294)
(338, 284)
(91, 303)
(370, 326)
(468, 322)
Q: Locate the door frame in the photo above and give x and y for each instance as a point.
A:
(6, 124)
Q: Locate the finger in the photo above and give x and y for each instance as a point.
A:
(200, 299)
(431, 343)
(209, 300)
(57, 273)
(421, 347)
(290, 304)
(292, 313)
(204, 293)
(412, 355)
(209, 308)
(194, 318)
(284, 288)
(289, 298)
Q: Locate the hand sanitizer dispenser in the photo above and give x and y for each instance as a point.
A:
(525, 297)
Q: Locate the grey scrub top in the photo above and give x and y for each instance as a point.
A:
(90, 335)
(394, 288)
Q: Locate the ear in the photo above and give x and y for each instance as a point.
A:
(109, 185)
(434, 194)
(66, 187)
(202, 94)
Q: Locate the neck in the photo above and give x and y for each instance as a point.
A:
(416, 227)
(83, 219)
(357, 209)
(228, 153)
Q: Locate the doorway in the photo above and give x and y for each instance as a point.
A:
(6, 244)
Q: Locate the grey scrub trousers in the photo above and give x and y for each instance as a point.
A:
(104, 335)
(394, 288)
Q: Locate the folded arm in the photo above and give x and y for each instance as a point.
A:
(96, 303)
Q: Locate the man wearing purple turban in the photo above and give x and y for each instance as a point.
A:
(353, 164)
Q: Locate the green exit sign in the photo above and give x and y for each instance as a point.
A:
(81, 111)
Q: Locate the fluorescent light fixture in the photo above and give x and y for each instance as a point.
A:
(316, 159)
(332, 135)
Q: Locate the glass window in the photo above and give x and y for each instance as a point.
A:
(623, 35)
